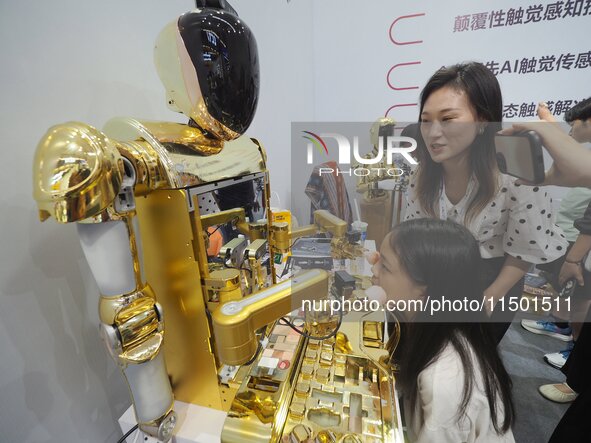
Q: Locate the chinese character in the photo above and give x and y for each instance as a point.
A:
(587, 7)
(583, 60)
(525, 66)
(558, 107)
(534, 13)
(531, 65)
(497, 18)
(567, 104)
(479, 21)
(493, 66)
(573, 8)
(531, 109)
(553, 11)
(565, 61)
(523, 110)
(546, 63)
(514, 16)
(462, 23)
(510, 111)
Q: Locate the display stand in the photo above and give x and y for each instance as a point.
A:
(196, 424)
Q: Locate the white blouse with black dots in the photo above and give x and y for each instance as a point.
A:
(518, 222)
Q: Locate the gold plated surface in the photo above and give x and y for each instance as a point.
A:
(234, 323)
(185, 161)
(333, 390)
(345, 396)
(280, 235)
(175, 277)
(270, 381)
(149, 170)
(223, 285)
(77, 172)
(204, 119)
(136, 322)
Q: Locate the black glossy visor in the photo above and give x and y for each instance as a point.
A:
(224, 53)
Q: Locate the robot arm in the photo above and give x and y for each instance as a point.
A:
(81, 177)
(234, 322)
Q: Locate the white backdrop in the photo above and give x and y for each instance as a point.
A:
(80, 60)
(353, 53)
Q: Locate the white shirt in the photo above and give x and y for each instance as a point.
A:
(435, 418)
(518, 221)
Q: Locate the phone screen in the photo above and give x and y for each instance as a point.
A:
(520, 156)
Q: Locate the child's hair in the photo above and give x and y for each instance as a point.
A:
(444, 257)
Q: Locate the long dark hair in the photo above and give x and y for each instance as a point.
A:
(444, 257)
(484, 94)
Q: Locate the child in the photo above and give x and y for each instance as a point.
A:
(454, 385)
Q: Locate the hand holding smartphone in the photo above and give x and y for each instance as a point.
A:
(520, 155)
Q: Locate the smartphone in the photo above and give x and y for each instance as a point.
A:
(521, 156)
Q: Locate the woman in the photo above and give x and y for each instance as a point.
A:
(458, 178)
(454, 385)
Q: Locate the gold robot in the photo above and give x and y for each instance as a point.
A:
(182, 320)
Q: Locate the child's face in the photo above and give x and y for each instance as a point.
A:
(394, 280)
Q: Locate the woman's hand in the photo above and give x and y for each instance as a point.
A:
(569, 271)
(572, 162)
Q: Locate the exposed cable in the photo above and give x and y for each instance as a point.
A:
(286, 322)
(127, 434)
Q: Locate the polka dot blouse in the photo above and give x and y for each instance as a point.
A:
(518, 222)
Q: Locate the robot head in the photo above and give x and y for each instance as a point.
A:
(208, 63)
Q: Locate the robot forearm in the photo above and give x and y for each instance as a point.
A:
(131, 321)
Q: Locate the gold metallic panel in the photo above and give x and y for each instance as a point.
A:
(187, 157)
(234, 323)
(173, 273)
(77, 172)
(179, 133)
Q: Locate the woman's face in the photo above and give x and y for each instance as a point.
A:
(394, 280)
(449, 124)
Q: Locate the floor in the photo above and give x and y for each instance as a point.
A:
(522, 353)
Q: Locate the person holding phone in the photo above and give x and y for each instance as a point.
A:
(571, 168)
(574, 217)
(458, 179)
